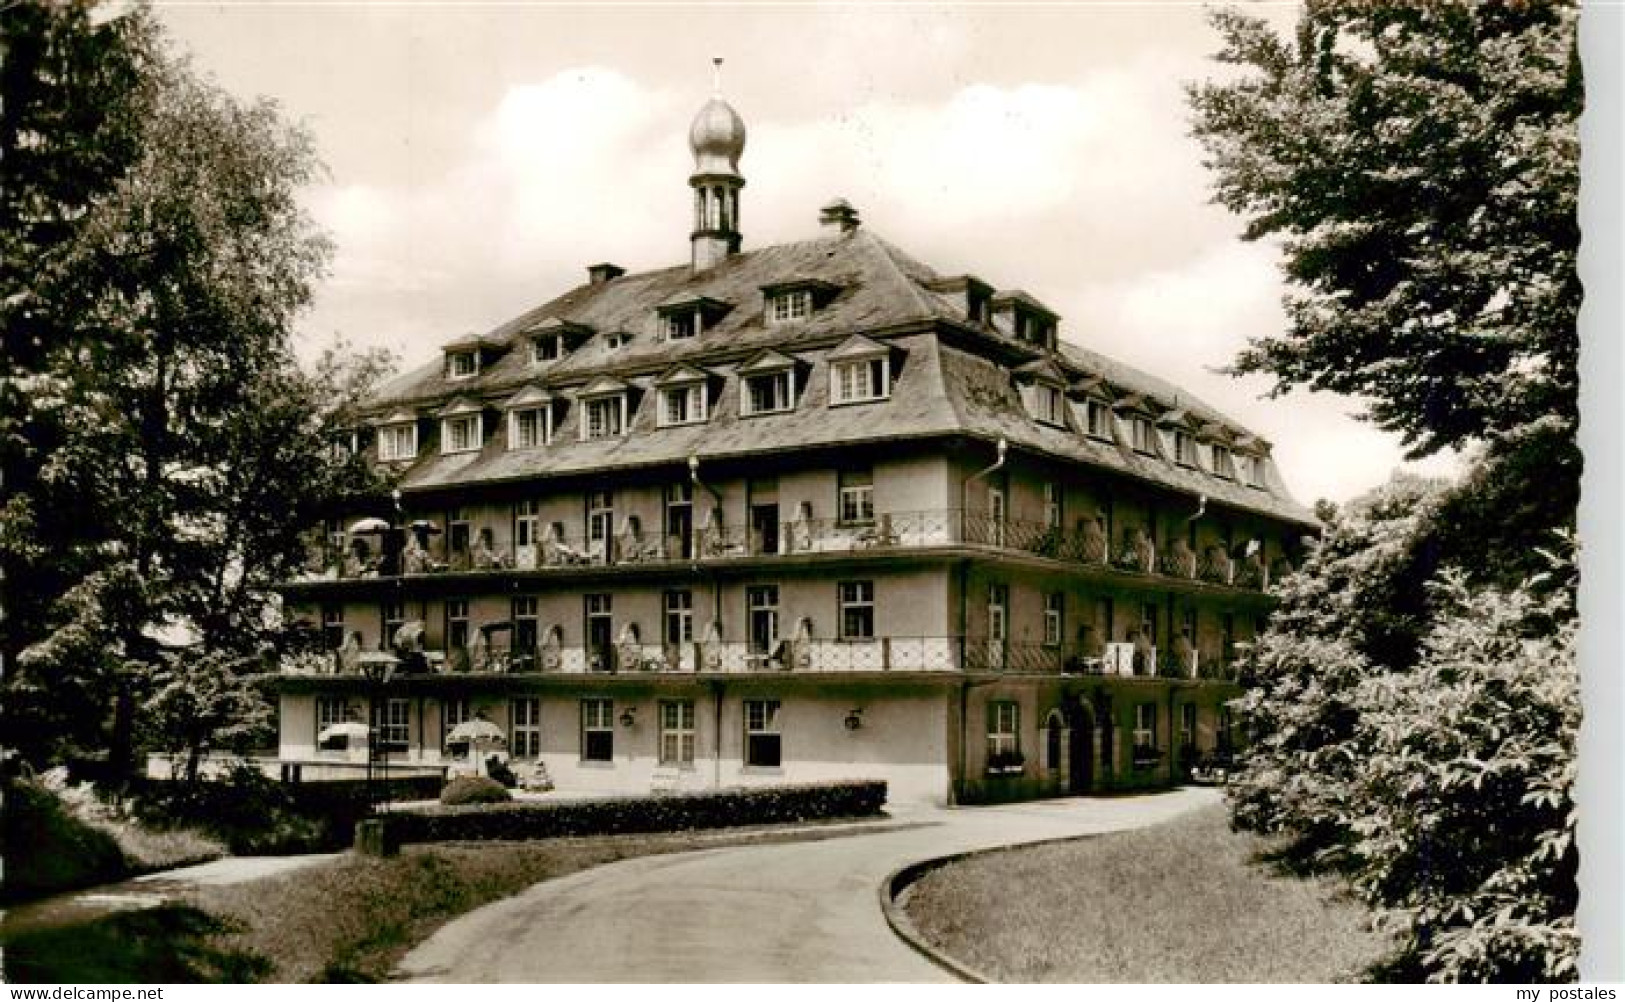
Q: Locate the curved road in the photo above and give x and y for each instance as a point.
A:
(792, 912)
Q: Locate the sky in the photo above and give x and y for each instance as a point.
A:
(479, 156)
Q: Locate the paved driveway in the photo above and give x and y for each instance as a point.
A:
(793, 912)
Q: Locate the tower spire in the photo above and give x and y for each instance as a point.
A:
(717, 140)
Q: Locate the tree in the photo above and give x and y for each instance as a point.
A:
(206, 701)
(181, 449)
(1419, 164)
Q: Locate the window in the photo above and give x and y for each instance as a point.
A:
(1187, 726)
(392, 722)
(530, 428)
(680, 326)
(769, 393)
(996, 511)
(397, 442)
(460, 434)
(457, 532)
(1099, 420)
(600, 631)
(857, 496)
(598, 730)
(1184, 448)
(332, 627)
(1253, 467)
(998, 605)
(1145, 725)
(1052, 506)
(462, 364)
(452, 713)
(527, 523)
(681, 405)
(677, 732)
(1224, 465)
(1003, 733)
(456, 623)
(1054, 618)
(1144, 435)
(762, 613)
(763, 746)
(1047, 404)
(786, 306)
(618, 339)
(857, 610)
(860, 380)
(604, 417)
(600, 523)
(547, 349)
(679, 617)
(330, 710)
(1148, 622)
(525, 728)
(526, 630)
(394, 617)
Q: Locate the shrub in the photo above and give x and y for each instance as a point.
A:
(474, 790)
(47, 849)
(628, 815)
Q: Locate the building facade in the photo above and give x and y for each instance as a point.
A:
(810, 511)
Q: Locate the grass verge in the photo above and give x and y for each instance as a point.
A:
(348, 920)
(1186, 902)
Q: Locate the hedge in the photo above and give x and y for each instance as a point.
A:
(631, 815)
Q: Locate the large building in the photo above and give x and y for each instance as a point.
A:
(808, 511)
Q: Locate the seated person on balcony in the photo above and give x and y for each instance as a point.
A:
(347, 658)
(414, 558)
(408, 646)
(1130, 556)
(483, 557)
(1094, 539)
(1182, 559)
(1144, 655)
(360, 562)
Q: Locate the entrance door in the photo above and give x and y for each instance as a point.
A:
(1080, 756)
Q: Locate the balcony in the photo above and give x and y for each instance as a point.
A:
(894, 532)
(811, 655)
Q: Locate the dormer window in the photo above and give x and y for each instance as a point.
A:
(1046, 404)
(1043, 392)
(680, 405)
(617, 340)
(795, 304)
(462, 364)
(1142, 435)
(547, 349)
(460, 434)
(1252, 468)
(604, 417)
(398, 442)
(860, 380)
(769, 392)
(682, 326)
(530, 427)
(1224, 464)
(1097, 420)
(1184, 448)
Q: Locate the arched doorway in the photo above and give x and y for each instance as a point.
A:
(1080, 751)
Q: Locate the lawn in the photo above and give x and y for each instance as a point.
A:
(1185, 901)
(350, 919)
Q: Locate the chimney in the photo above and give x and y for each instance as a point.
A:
(838, 217)
(598, 274)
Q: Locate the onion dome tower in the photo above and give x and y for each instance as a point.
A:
(717, 139)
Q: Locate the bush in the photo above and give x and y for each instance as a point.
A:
(47, 849)
(474, 790)
(629, 815)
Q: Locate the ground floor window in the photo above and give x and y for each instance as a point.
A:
(598, 730)
(763, 745)
(525, 728)
(454, 712)
(1003, 735)
(392, 722)
(1145, 732)
(330, 710)
(677, 732)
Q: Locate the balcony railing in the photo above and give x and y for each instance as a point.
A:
(878, 654)
(1087, 545)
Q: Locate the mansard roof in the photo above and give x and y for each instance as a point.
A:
(954, 379)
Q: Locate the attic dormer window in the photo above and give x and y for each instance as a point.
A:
(681, 326)
(547, 349)
(860, 380)
(1046, 404)
(619, 339)
(1224, 464)
(793, 304)
(461, 433)
(1184, 448)
(1143, 436)
(1252, 469)
(462, 364)
(604, 417)
(1098, 420)
(398, 442)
